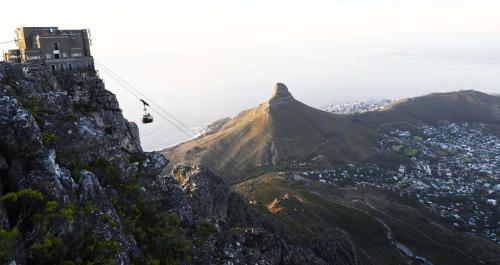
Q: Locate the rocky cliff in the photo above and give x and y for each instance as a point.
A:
(76, 188)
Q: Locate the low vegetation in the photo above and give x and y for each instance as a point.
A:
(36, 219)
(71, 117)
(8, 240)
(48, 138)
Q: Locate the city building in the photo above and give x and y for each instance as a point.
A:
(61, 50)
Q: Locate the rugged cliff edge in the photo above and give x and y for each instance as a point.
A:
(76, 188)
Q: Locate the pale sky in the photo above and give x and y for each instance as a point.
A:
(205, 60)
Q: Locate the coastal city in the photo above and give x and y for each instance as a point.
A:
(358, 106)
(453, 171)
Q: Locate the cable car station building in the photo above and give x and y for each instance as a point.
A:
(61, 50)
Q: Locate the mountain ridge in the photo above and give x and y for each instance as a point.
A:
(457, 106)
(284, 132)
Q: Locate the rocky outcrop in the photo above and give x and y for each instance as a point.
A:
(207, 193)
(52, 127)
(76, 187)
(247, 237)
(280, 96)
(166, 195)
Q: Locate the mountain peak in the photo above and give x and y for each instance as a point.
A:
(280, 95)
(280, 90)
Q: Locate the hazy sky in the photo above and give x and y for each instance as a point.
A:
(203, 60)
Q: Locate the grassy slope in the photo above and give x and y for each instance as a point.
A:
(239, 144)
(306, 212)
(318, 207)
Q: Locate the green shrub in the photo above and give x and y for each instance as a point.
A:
(160, 236)
(49, 250)
(71, 117)
(35, 116)
(68, 211)
(153, 262)
(22, 194)
(135, 158)
(88, 209)
(8, 240)
(48, 138)
(91, 249)
(74, 169)
(35, 107)
(111, 174)
(411, 152)
(9, 79)
(107, 219)
(85, 107)
(88, 247)
(202, 231)
(85, 246)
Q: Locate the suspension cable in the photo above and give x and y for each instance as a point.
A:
(138, 94)
(135, 93)
(4, 42)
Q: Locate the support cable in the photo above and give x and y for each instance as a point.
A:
(138, 94)
(4, 42)
(172, 120)
(157, 112)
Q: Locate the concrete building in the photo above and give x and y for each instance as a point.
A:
(61, 50)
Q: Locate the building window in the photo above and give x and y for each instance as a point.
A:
(55, 46)
(36, 42)
(70, 66)
(53, 67)
(34, 57)
(61, 67)
(56, 55)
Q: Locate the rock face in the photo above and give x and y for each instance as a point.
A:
(207, 193)
(246, 237)
(280, 95)
(76, 188)
(53, 131)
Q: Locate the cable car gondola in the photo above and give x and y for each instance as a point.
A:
(146, 118)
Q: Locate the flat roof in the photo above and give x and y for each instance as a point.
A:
(38, 27)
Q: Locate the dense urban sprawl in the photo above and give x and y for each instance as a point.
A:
(358, 106)
(454, 171)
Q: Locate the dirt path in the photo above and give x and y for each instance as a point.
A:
(401, 248)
